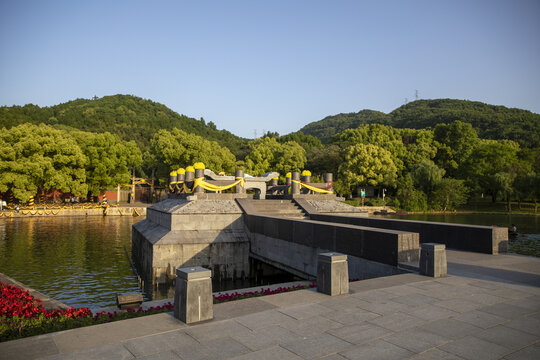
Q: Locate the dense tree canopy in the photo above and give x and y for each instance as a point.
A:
(37, 157)
(175, 149)
(267, 154)
(108, 159)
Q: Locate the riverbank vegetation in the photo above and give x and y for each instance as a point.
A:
(426, 155)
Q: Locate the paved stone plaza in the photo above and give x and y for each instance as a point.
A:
(487, 308)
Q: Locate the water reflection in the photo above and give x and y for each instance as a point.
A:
(80, 261)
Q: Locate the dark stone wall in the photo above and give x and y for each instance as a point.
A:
(381, 245)
(482, 239)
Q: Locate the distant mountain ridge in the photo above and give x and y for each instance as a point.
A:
(130, 117)
(490, 121)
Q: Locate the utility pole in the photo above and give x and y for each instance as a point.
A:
(416, 94)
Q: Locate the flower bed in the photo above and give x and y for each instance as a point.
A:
(22, 315)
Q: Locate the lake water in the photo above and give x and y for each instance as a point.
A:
(84, 261)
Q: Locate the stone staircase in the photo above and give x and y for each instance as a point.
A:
(281, 208)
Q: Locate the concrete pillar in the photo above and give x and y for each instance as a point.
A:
(327, 177)
(172, 181)
(237, 176)
(288, 179)
(433, 260)
(295, 187)
(332, 274)
(199, 173)
(274, 181)
(190, 176)
(193, 300)
(180, 179)
(306, 179)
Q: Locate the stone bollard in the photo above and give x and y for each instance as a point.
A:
(189, 177)
(306, 177)
(193, 301)
(199, 174)
(332, 274)
(240, 189)
(433, 259)
(180, 179)
(295, 186)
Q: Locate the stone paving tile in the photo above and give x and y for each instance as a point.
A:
(166, 355)
(474, 348)
(453, 280)
(295, 297)
(431, 312)
(333, 357)
(263, 319)
(372, 296)
(232, 309)
(415, 299)
(377, 350)
(348, 317)
(532, 303)
(506, 310)
(267, 337)
(480, 319)
(435, 354)
(223, 348)
(273, 353)
(383, 307)
(509, 338)
(360, 333)
(157, 343)
(343, 302)
(43, 345)
(528, 353)
(105, 352)
(450, 328)
(529, 324)
(486, 299)
(109, 333)
(403, 290)
(305, 310)
(313, 347)
(397, 321)
(510, 293)
(416, 340)
(429, 285)
(216, 330)
(311, 326)
(458, 305)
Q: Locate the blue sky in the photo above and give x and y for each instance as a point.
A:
(251, 66)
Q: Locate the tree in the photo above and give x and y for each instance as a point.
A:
(175, 149)
(448, 194)
(267, 154)
(427, 175)
(457, 142)
(489, 158)
(409, 197)
(503, 182)
(382, 136)
(367, 165)
(37, 158)
(109, 160)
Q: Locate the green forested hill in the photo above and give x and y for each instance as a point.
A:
(326, 128)
(130, 117)
(490, 121)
